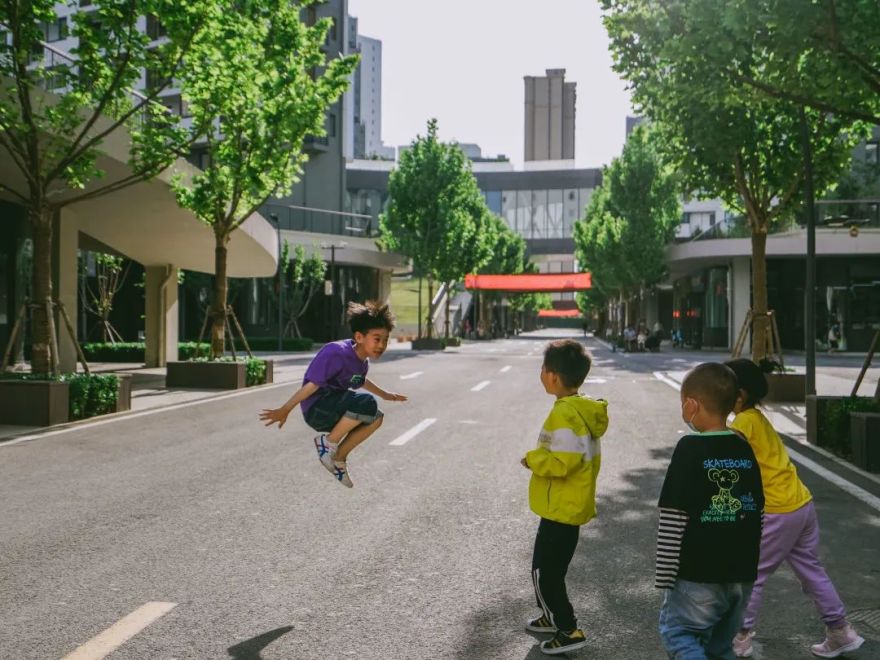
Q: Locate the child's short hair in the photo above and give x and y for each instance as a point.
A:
(370, 315)
(569, 360)
(713, 385)
(751, 379)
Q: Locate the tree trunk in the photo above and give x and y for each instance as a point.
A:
(760, 322)
(218, 306)
(41, 288)
(430, 328)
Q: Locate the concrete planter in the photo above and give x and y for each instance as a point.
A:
(34, 402)
(816, 413)
(123, 394)
(207, 375)
(270, 371)
(786, 388)
(865, 438)
(425, 344)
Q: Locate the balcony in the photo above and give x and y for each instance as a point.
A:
(320, 221)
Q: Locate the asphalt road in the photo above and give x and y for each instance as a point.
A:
(265, 556)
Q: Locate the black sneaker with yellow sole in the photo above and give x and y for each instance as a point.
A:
(540, 624)
(564, 642)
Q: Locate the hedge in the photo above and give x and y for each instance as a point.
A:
(136, 352)
(89, 394)
(833, 426)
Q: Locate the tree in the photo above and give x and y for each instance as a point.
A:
(630, 220)
(110, 275)
(434, 211)
(256, 90)
(301, 277)
(823, 54)
(724, 139)
(56, 111)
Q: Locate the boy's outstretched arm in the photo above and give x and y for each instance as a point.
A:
(279, 415)
(372, 388)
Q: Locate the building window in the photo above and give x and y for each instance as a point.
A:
(54, 31)
(155, 29)
(331, 125)
(872, 157)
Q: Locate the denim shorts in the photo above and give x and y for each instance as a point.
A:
(333, 405)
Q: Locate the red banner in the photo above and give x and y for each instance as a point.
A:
(559, 314)
(529, 282)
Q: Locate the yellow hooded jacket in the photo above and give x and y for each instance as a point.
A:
(566, 463)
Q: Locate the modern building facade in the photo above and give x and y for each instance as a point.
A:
(549, 117)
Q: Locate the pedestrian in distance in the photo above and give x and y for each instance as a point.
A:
(791, 528)
(709, 532)
(329, 399)
(562, 490)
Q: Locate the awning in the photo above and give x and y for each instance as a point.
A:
(559, 314)
(530, 283)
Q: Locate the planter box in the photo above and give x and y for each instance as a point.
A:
(425, 344)
(865, 439)
(270, 371)
(34, 402)
(816, 407)
(786, 388)
(207, 375)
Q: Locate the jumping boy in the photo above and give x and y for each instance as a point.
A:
(710, 522)
(562, 490)
(343, 417)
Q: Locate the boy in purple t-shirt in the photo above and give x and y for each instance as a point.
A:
(343, 417)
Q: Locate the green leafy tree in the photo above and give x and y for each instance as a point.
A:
(302, 277)
(724, 139)
(435, 212)
(57, 111)
(630, 220)
(823, 54)
(256, 89)
(110, 275)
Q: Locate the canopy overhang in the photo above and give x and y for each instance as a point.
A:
(530, 282)
(559, 313)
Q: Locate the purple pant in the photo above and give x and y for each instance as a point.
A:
(794, 537)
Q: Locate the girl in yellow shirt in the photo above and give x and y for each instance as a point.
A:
(791, 529)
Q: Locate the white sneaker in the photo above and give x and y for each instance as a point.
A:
(742, 644)
(326, 452)
(837, 642)
(340, 471)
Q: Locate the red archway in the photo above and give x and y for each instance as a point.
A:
(530, 282)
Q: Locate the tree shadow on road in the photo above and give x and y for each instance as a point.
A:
(251, 649)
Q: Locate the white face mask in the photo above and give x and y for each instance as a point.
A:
(690, 423)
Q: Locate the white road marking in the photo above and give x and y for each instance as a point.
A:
(413, 432)
(595, 381)
(859, 493)
(481, 385)
(414, 374)
(504, 370)
(467, 421)
(120, 632)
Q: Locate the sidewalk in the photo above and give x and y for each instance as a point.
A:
(148, 389)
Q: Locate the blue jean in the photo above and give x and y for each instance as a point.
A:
(333, 405)
(698, 621)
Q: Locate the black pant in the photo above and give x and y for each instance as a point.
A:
(554, 547)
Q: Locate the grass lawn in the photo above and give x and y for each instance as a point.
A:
(405, 300)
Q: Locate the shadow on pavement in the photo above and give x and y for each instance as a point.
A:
(250, 649)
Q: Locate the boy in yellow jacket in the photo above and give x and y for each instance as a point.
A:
(563, 488)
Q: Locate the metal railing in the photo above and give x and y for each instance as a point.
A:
(320, 221)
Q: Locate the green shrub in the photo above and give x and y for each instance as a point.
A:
(255, 370)
(833, 422)
(187, 350)
(452, 342)
(133, 351)
(92, 395)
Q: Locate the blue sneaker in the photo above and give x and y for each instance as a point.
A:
(340, 471)
(326, 452)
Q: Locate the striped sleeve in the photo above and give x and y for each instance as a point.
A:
(669, 534)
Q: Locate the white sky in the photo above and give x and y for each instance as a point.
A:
(463, 62)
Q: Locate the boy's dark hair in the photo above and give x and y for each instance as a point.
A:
(751, 379)
(713, 385)
(569, 360)
(370, 315)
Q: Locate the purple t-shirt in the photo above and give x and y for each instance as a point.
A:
(336, 367)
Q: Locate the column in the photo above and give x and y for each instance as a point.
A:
(160, 315)
(383, 292)
(740, 292)
(65, 255)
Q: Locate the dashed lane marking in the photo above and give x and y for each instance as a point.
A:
(413, 432)
(120, 632)
(504, 370)
(414, 374)
(481, 385)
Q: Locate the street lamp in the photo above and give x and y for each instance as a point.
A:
(274, 218)
(329, 285)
